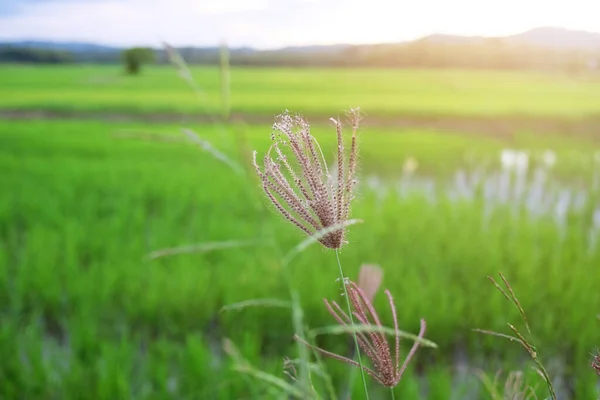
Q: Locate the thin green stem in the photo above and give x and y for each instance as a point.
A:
(392, 392)
(297, 321)
(362, 370)
(305, 376)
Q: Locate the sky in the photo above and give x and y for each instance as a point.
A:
(277, 23)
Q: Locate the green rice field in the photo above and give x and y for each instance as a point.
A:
(310, 91)
(89, 309)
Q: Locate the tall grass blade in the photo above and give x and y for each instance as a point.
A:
(500, 335)
(256, 303)
(184, 71)
(200, 248)
(272, 380)
(209, 148)
(149, 136)
(242, 365)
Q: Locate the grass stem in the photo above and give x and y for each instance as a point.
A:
(359, 359)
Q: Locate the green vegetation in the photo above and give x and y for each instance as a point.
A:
(83, 309)
(88, 305)
(135, 57)
(321, 92)
(11, 54)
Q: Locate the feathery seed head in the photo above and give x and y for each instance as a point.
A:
(386, 363)
(596, 363)
(296, 179)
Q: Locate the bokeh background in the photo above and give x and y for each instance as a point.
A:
(130, 213)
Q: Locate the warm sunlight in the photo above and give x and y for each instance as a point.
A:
(269, 24)
(388, 21)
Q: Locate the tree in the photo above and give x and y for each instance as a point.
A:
(135, 57)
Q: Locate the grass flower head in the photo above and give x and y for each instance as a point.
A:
(596, 363)
(296, 179)
(386, 362)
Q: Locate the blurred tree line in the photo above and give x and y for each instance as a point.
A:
(484, 53)
(27, 55)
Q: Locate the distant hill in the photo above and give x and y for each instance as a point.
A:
(72, 47)
(546, 48)
(560, 38)
(443, 39)
(549, 37)
(72, 51)
(313, 49)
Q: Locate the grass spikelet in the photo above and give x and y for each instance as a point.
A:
(526, 342)
(296, 179)
(370, 335)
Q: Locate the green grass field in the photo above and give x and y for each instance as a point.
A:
(310, 91)
(84, 310)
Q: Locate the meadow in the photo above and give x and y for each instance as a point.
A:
(322, 92)
(87, 306)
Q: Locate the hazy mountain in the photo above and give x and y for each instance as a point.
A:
(541, 48)
(315, 49)
(550, 37)
(560, 38)
(440, 38)
(72, 47)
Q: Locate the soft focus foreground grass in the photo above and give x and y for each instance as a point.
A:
(314, 91)
(83, 311)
